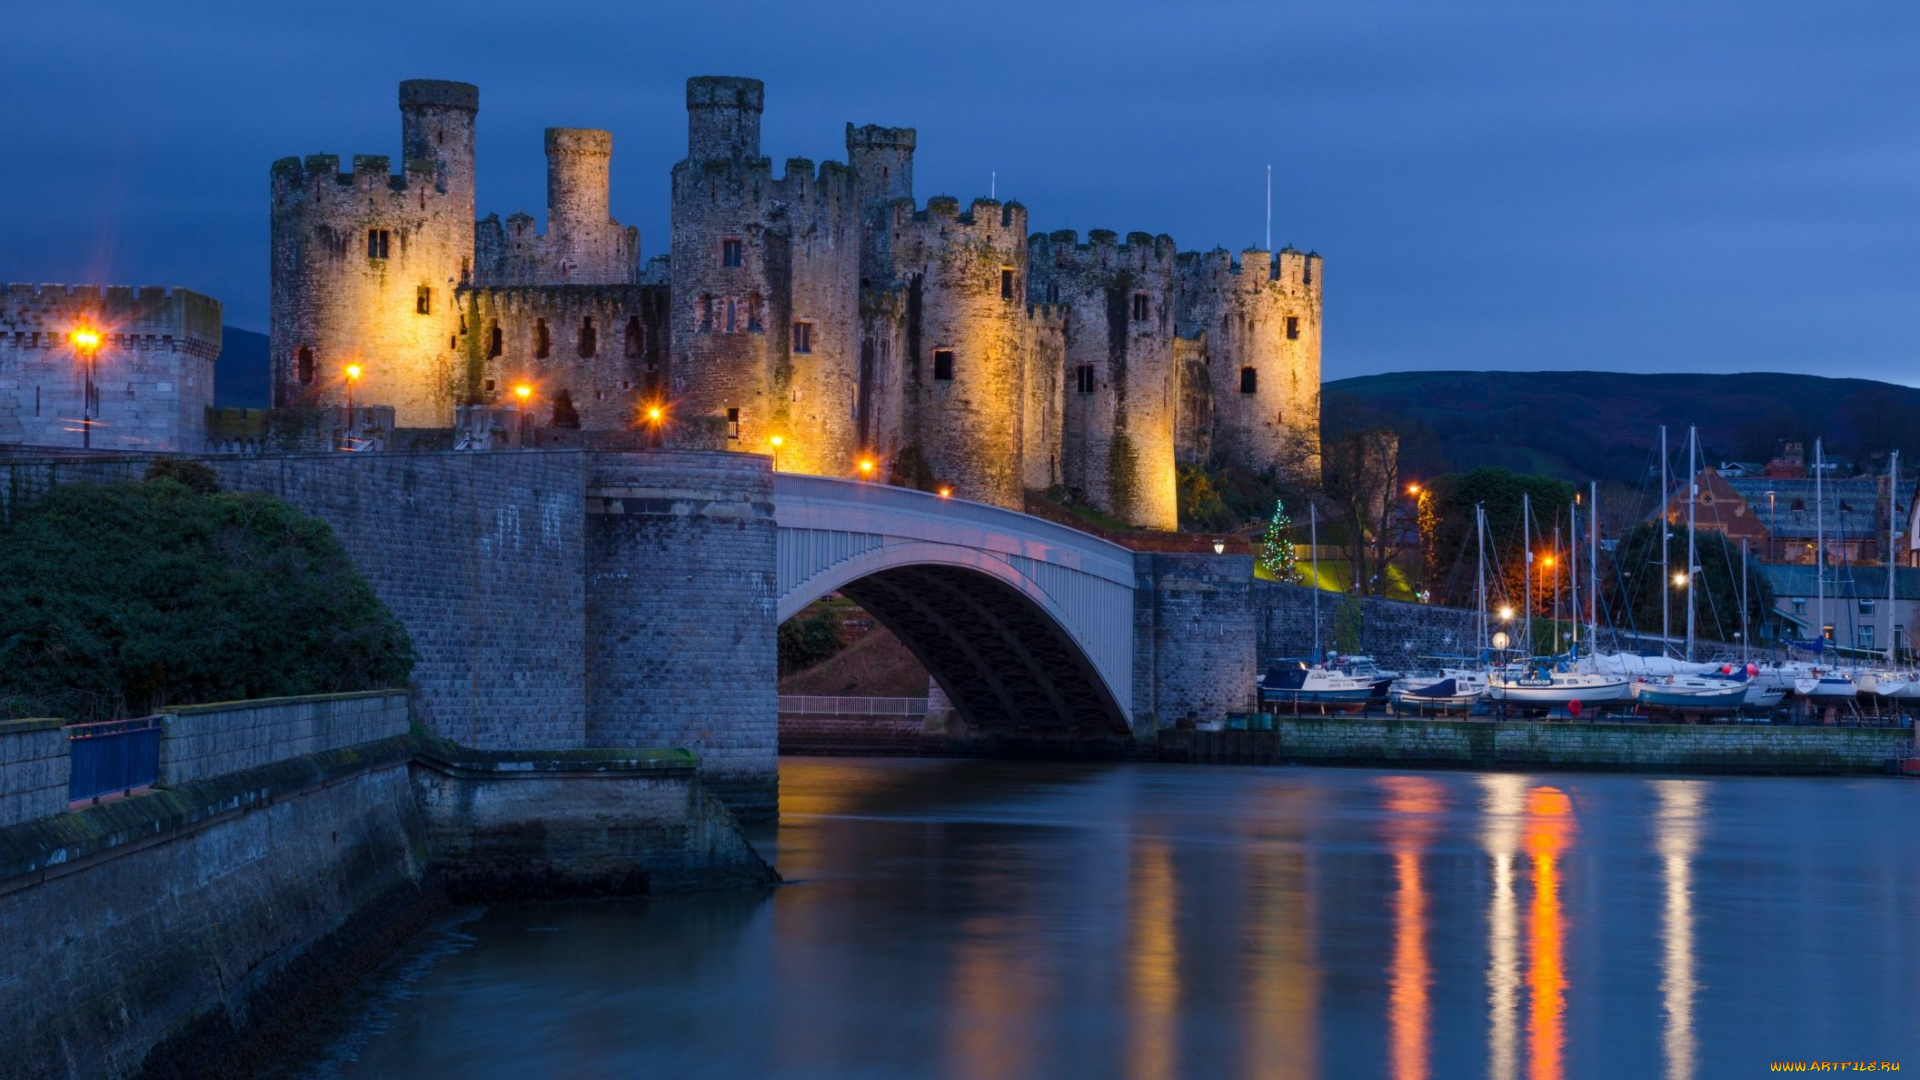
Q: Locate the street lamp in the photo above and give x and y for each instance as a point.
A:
(1679, 579)
(946, 492)
(86, 341)
(777, 443)
(1219, 547)
(525, 394)
(353, 377)
(866, 468)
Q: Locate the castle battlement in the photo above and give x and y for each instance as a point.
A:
(1143, 252)
(125, 313)
(1291, 268)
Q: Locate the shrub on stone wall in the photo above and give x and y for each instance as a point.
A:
(123, 599)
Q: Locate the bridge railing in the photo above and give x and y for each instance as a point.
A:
(115, 757)
(821, 705)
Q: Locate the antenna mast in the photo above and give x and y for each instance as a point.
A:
(1269, 208)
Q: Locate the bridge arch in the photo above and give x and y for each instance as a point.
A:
(1027, 625)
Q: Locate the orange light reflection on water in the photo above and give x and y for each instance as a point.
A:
(1413, 804)
(1549, 830)
(1153, 965)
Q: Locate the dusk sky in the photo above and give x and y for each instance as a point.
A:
(1695, 186)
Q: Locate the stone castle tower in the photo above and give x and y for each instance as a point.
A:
(822, 315)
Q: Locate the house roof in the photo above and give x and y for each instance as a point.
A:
(1862, 582)
(1848, 509)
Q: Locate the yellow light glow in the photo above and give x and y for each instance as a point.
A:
(1506, 613)
(353, 371)
(946, 492)
(866, 465)
(523, 391)
(1547, 561)
(1680, 580)
(87, 340)
(1413, 489)
(653, 415)
(778, 441)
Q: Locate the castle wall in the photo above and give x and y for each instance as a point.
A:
(153, 371)
(365, 264)
(1116, 440)
(881, 375)
(1261, 312)
(610, 387)
(966, 429)
(1041, 423)
(1193, 402)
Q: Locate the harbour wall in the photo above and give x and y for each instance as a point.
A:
(199, 927)
(1493, 744)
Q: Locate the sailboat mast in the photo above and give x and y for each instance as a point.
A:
(1819, 549)
(1666, 593)
(1573, 571)
(1313, 541)
(1693, 493)
(1893, 534)
(1593, 566)
(1480, 535)
(1743, 601)
(1526, 583)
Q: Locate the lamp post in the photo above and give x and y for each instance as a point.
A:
(86, 341)
(866, 468)
(777, 443)
(353, 377)
(1219, 547)
(524, 394)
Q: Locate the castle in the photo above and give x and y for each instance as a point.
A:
(821, 316)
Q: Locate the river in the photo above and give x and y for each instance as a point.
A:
(983, 920)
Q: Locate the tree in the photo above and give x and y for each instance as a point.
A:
(1278, 558)
(1631, 584)
(1362, 486)
(1448, 531)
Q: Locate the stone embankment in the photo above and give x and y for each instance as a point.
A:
(291, 845)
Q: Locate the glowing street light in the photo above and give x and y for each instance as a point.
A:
(946, 492)
(1679, 579)
(777, 442)
(525, 394)
(86, 341)
(353, 378)
(866, 468)
(1506, 614)
(1413, 489)
(1219, 547)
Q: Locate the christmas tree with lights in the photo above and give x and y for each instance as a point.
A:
(1279, 554)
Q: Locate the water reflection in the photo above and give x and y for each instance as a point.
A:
(1504, 800)
(1412, 805)
(1153, 968)
(1280, 1014)
(1549, 830)
(1678, 834)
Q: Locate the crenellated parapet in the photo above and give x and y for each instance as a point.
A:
(583, 244)
(152, 366)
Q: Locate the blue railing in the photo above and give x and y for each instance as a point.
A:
(112, 758)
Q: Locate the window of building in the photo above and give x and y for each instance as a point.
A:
(1863, 636)
(542, 341)
(753, 315)
(1799, 607)
(423, 300)
(303, 365)
(636, 338)
(1006, 283)
(495, 340)
(733, 423)
(1249, 380)
(487, 386)
(377, 243)
(1141, 305)
(1083, 378)
(1827, 631)
(943, 364)
(589, 337)
(1293, 327)
(1866, 605)
(706, 311)
(733, 313)
(466, 265)
(732, 252)
(802, 336)
(1306, 272)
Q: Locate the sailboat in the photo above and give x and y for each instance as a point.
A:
(1551, 682)
(1887, 683)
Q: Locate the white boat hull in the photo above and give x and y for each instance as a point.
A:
(1556, 694)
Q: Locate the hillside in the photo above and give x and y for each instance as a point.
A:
(1593, 425)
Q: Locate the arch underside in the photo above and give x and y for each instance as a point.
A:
(1007, 665)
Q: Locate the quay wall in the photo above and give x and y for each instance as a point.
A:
(34, 766)
(202, 741)
(1397, 634)
(1495, 744)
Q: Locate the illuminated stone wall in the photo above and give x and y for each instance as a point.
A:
(1259, 312)
(967, 429)
(153, 373)
(1116, 439)
(365, 263)
(610, 379)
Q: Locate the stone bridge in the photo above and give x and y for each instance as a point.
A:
(1027, 625)
(581, 599)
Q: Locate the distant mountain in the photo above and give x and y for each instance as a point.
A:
(241, 375)
(1594, 425)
